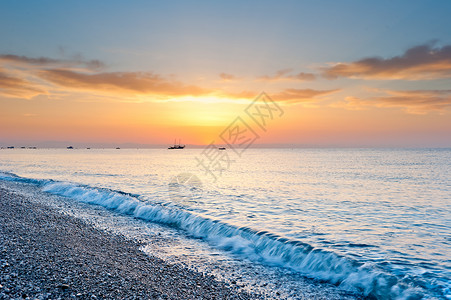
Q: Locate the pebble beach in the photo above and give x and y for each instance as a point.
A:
(46, 254)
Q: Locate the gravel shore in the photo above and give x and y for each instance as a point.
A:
(45, 254)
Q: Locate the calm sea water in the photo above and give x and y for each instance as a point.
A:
(372, 221)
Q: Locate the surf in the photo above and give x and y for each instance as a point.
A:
(261, 247)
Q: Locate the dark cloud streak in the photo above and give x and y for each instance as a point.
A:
(418, 63)
(285, 75)
(45, 61)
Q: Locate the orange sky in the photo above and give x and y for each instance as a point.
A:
(199, 122)
(154, 82)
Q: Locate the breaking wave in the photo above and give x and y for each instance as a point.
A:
(258, 246)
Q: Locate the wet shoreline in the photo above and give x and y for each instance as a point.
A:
(47, 254)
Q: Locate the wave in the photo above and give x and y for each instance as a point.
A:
(258, 246)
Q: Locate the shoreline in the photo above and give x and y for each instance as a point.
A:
(48, 254)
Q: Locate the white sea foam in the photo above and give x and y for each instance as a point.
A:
(263, 248)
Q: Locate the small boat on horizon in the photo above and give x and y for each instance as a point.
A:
(176, 146)
(221, 148)
(70, 147)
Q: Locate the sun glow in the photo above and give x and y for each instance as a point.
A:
(211, 99)
(201, 111)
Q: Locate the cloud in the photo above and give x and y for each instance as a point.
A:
(26, 77)
(285, 75)
(227, 77)
(418, 63)
(413, 102)
(294, 96)
(126, 82)
(94, 64)
(250, 95)
(28, 60)
(17, 87)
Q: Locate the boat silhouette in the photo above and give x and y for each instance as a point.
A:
(176, 146)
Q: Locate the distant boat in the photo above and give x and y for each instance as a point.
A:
(70, 147)
(176, 146)
(221, 148)
(118, 148)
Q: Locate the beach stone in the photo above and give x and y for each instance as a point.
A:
(46, 253)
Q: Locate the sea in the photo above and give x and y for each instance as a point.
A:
(362, 223)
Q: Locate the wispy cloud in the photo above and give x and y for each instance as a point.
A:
(285, 75)
(227, 77)
(294, 96)
(27, 77)
(94, 64)
(126, 82)
(13, 86)
(422, 62)
(413, 102)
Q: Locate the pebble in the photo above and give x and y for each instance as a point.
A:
(46, 254)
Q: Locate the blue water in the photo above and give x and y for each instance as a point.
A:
(372, 221)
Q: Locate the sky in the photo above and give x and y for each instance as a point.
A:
(345, 73)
